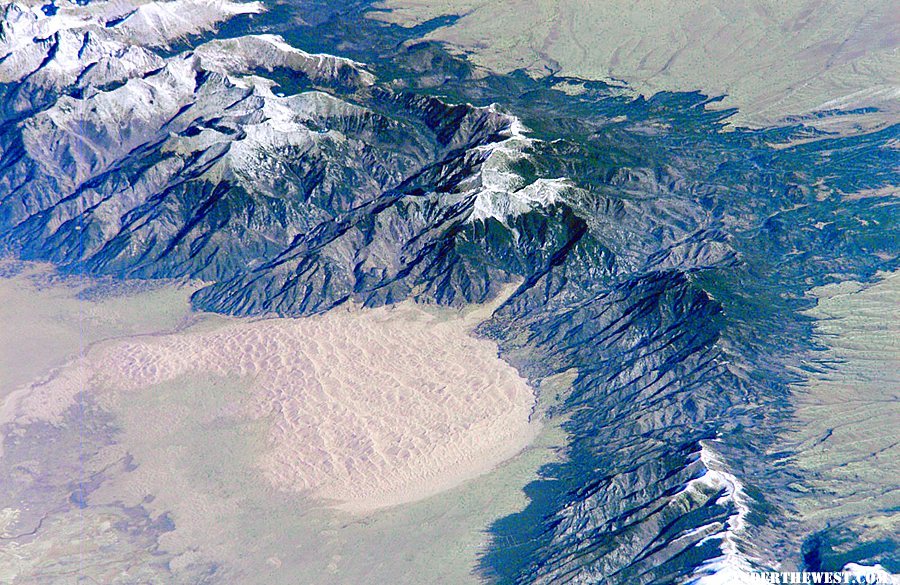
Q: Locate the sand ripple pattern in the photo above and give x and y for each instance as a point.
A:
(369, 408)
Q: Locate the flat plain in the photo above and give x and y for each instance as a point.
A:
(773, 60)
(848, 411)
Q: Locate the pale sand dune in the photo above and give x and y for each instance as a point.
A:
(368, 408)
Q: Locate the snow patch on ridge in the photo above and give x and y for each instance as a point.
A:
(495, 201)
(269, 52)
(733, 567)
(868, 572)
(95, 95)
(113, 37)
(161, 23)
(501, 192)
(140, 23)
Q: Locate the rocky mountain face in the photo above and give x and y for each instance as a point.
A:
(120, 160)
(681, 361)
(662, 262)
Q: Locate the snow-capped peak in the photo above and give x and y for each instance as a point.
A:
(269, 52)
(161, 23)
(502, 192)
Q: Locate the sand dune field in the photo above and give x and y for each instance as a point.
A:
(366, 408)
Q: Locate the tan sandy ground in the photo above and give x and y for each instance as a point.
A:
(773, 59)
(370, 408)
(179, 486)
(42, 326)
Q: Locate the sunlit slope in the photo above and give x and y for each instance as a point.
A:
(773, 59)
